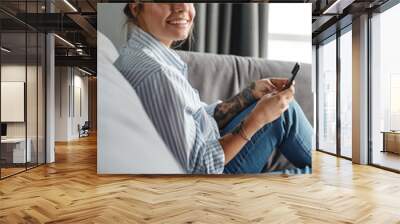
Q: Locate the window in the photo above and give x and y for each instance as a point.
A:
(346, 94)
(285, 34)
(22, 78)
(327, 96)
(333, 137)
(385, 86)
(394, 119)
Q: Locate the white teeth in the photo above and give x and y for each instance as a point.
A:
(178, 22)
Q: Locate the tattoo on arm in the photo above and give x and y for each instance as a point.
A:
(226, 110)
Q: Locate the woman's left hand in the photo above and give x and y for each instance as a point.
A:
(267, 86)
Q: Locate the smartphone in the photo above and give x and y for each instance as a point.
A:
(295, 70)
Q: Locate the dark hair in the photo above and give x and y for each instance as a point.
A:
(128, 13)
(133, 19)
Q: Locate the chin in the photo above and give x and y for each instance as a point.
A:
(181, 37)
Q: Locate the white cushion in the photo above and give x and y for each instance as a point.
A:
(127, 142)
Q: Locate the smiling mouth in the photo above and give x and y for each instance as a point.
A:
(178, 22)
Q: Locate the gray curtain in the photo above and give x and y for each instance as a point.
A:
(229, 28)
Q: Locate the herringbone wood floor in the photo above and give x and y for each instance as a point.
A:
(70, 191)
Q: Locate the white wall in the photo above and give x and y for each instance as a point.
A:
(62, 81)
(13, 101)
(79, 117)
(12, 73)
(69, 84)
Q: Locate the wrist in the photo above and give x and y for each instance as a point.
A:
(251, 126)
(241, 130)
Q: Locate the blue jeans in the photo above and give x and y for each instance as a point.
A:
(291, 134)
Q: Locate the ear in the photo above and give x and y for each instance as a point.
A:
(133, 8)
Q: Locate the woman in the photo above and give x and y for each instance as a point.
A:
(235, 136)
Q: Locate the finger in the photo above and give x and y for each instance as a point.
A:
(290, 98)
(270, 85)
(293, 84)
(293, 89)
(267, 84)
(279, 82)
(287, 92)
(288, 95)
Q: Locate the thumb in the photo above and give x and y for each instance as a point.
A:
(287, 93)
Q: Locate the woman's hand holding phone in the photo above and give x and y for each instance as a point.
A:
(267, 86)
(269, 108)
(274, 97)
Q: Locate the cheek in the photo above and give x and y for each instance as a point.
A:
(157, 16)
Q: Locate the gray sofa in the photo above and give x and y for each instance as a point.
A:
(222, 76)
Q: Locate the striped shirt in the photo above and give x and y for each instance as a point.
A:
(184, 122)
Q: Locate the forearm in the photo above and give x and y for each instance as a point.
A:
(233, 142)
(268, 109)
(226, 110)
